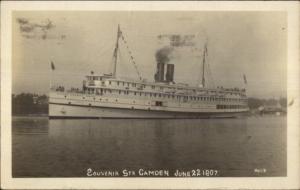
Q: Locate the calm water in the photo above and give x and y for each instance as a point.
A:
(67, 148)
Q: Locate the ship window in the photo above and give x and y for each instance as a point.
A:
(109, 82)
(158, 103)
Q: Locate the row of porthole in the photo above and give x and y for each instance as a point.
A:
(193, 98)
(189, 97)
(218, 106)
(154, 87)
(131, 107)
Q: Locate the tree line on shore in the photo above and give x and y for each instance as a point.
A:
(28, 103)
(255, 103)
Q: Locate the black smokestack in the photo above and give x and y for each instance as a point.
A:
(162, 58)
(159, 75)
(170, 73)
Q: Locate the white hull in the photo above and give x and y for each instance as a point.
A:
(78, 111)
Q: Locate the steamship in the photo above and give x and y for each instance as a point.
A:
(108, 96)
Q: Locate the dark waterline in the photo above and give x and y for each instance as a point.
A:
(254, 146)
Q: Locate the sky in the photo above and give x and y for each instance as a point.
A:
(250, 43)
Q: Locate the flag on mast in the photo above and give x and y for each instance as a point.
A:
(245, 79)
(52, 66)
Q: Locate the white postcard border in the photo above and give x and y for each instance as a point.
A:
(292, 179)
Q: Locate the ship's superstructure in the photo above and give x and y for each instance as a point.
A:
(107, 96)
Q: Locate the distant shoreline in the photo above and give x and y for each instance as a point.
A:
(30, 115)
(34, 105)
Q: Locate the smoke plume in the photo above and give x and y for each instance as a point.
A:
(163, 55)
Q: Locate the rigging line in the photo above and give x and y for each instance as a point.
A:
(120, 56)
(131, 57)
(211, 76)
(202, 73)
(210, 73)
(103, 55)
(105, 48)
(110, 66)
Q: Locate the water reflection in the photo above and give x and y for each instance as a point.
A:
(69, 147)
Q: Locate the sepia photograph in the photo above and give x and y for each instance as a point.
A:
(148, 94)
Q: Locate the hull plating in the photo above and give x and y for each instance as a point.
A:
(75, 111)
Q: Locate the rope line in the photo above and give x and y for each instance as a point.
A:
(131, 57)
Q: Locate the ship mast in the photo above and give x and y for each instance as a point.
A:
(203, 64)
(116, 53)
